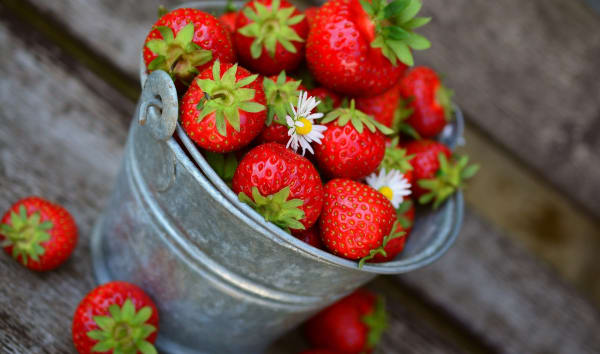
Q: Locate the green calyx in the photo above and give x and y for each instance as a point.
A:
(400, 211)
(401, 114)
(377, 323)
(223, 164)
(226, 97)
(280, 94)
(394, 25)
(26, 235)
(178, 55)
(450, 176)
(271, 26)
(230, 7)
(124, 330)
(395, 158)
(276, 208)
(381, 249)
(343, 115)
(443, 96)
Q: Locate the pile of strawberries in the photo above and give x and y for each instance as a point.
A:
(313, 118)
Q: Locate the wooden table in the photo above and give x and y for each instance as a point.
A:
(523, 275)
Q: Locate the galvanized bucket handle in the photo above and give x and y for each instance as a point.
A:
(158, 106)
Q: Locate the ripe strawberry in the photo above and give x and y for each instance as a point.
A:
(223, 109)
(310, 14)
(347, 149)
(281, 92)
(115, 317)
(381, 107)
(38, 234)
(356, 220)
(396, 158)
(329, 99)
(360, 48)
(282, 186)
(406, 217)
(184, 42)
(265, 32)
(437, 172)
(229, 17)
(352, 325)
(310, 236)
(429, 101)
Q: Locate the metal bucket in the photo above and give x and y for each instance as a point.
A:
(224, 280)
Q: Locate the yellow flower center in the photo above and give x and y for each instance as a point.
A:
(387, 191)
(305, 128)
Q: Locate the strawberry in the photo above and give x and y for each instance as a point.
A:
(356, 221)
(281, 92)
(184, 42)
(224, 108)
(310, 236)
(310, 14)
(348, 149)
(115, 317)
(282, 186)
(381, 107)
(361, 48)
(354, 324)
(437, 172)
(406, 217)
(270, 36)
(329, 99)
(429, 101)
(38, 234)
(229, 16)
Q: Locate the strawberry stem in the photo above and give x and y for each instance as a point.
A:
(381, 249)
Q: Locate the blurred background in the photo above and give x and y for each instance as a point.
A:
(523, 276)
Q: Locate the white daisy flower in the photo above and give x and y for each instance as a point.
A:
(302, 130)
(393, 185)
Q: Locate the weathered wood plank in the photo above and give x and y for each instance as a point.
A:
(63, 134)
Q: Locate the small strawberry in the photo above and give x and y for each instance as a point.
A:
(270, 36)
(406, 217)
(354, 324)
(381, 107)
(310, 236)
(184, 42)
(356, 221)
(396, 158)
(38, 234)
(281, 92)
(361, 48)
(224, 108)
(437, 172)
(282, 186)
(347, 149)
(229, 16)
(429, 101)
(329, 99)
(116, 317)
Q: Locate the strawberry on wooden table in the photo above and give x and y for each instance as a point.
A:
(357, 221)
(438, 173)
(429, 101)
(281, 185)
(38, 234)
(352, 325)
(116, 317)
(353, 144)
(270, 36)
(361, 48)
(224, 108)
(184, 42)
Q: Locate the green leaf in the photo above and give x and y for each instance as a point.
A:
(220, 123)
(469, 171)
(426, 198)
(166, 33)
(396, 7)
(252, 107)
(229, 75)
(366, 5)
(247, 81)
(104, 322)
(410, 11)
(104, 346)
(397, 33)
(401, 51)
(417, 42)
(256, 49)
(295, 20)
(417, 22)
(96, 334)
(231, 164)
(216, 70)
(157, 46)
(142, 315)
(146, 348)
(185, 35)
(115, 312)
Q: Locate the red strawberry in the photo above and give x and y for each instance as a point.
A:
(229, 17)
(281, 185)
(356, 220)
(329, 99)
(310, 236)
(406, 217)
(280, 91)
(360, 48)
(184, 42)
(352, 325)
(115, 317)
(429, 101)
(38, 234)
(223, 110)
(438, 174)
(270, 36)
(381, 107)
(310, 14)
(396, 158)
(348, 149)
